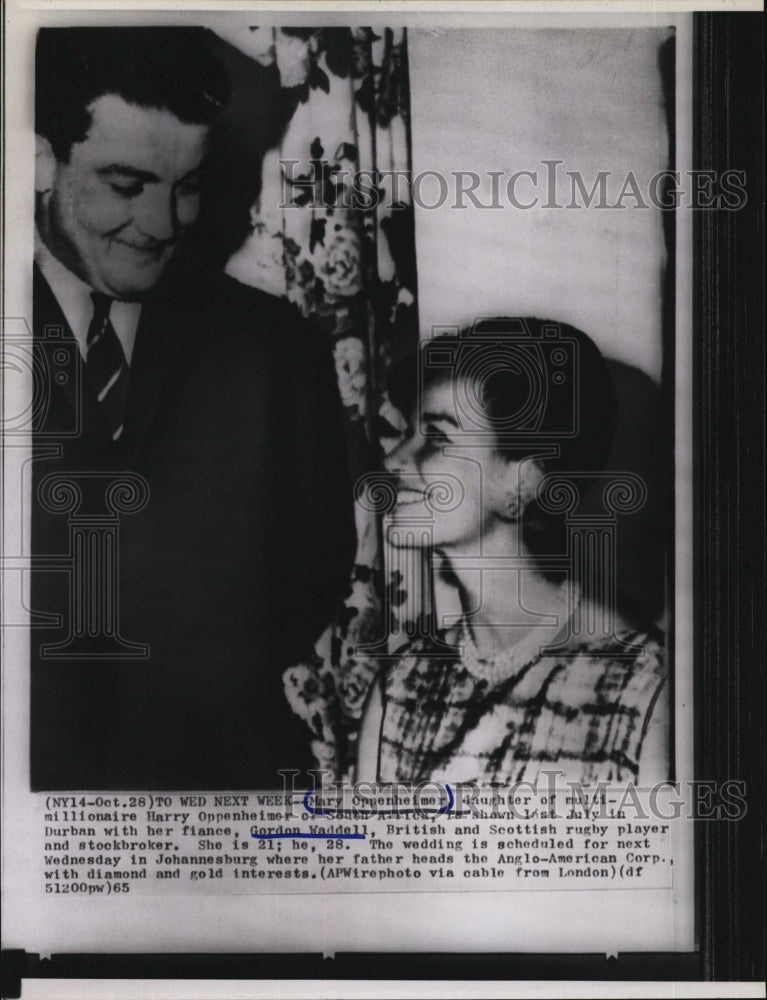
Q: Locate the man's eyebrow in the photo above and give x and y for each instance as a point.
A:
(435, 417)
(132, 173)
(146, 176)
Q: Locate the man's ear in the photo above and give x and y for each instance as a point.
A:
(522, 479)
(45, 165)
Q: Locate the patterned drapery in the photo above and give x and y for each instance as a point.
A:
(332, 231)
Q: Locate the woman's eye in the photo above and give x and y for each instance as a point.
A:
(435, 433)
(127, 190)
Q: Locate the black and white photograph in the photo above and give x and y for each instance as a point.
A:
(194, 469)
(366, 485)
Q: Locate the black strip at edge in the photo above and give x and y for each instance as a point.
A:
(729, 333)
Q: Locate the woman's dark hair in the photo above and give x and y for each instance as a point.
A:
(166, 68)
(542, 386)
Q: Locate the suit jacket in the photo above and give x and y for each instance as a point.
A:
(227, 573)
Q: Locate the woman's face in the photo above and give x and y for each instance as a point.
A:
(462, 489)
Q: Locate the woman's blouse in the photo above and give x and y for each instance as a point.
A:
(583, 710)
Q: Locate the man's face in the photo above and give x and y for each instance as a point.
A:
(117, 209)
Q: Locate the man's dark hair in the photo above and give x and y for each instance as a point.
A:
(166, 68)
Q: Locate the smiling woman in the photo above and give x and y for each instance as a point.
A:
(546, 667)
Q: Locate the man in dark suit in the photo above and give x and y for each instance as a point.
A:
(191, 517)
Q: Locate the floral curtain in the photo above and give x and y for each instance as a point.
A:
(333, 232)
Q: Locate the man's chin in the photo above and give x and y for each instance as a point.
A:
(136, 285)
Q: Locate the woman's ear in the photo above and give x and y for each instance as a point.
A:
(522, 479)
(45, 165)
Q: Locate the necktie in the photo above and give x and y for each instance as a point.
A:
(106, 365)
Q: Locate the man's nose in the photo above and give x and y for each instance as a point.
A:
(155, 215)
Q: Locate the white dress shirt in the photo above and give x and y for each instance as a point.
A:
(74, 297)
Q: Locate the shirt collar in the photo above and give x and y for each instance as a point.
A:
(74, 297)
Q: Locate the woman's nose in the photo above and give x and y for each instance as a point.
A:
(400, 458)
